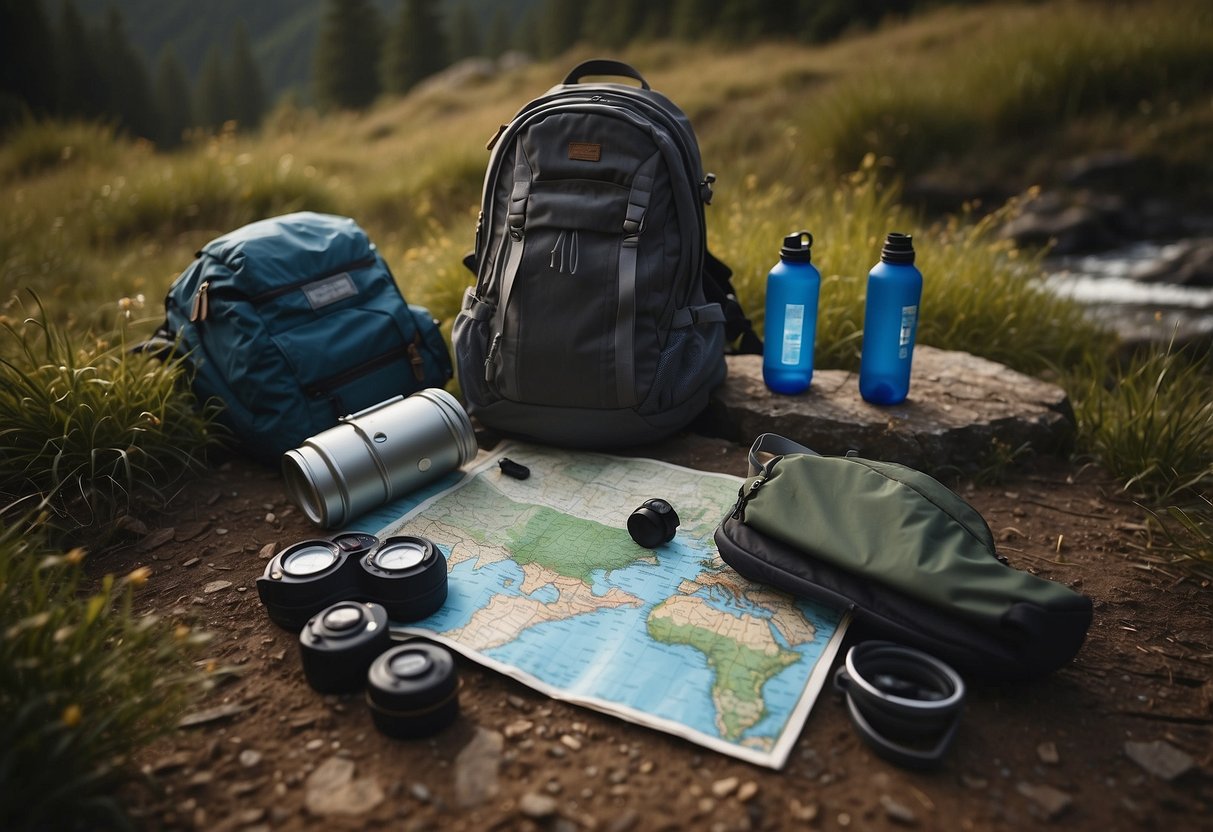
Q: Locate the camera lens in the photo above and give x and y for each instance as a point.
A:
(653, 524)
(413, 690)
(407, 575)
(338, 644)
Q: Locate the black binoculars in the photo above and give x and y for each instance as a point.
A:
(404, 574)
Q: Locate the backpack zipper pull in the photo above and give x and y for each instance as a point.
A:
(744, 496)
(415, 359)
(491, 358)
(201, 304)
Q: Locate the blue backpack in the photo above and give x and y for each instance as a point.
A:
(293, 322)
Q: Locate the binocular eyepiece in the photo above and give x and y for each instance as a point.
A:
(404, 574)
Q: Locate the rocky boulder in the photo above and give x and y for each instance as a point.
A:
(1187, 263)
(963, 413)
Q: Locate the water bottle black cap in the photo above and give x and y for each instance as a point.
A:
(898, 248)
(797, 247)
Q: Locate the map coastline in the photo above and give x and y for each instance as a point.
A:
(547, 588)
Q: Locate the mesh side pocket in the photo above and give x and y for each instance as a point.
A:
(692, 361)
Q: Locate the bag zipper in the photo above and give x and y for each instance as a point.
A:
(744, 495)
(201, 306)
(324, 386)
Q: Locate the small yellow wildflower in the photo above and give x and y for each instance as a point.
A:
(138, 577)
(72, 716)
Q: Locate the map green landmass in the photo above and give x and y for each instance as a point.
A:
(571, 546)
(546, 585)
(741, 659)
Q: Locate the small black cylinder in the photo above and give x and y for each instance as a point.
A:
(413, 690)
(653, 524)
(338, 644)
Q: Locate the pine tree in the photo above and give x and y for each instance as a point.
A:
(526, 34)
(656, 25)
(173, 103)
(346, 69)
(128, 87)
(561, 29)
(212, 98)
(464, 33)
(692, 19)
(417, 45)
(500, 38)
(82, 92)
(244, 81)
(27, 71)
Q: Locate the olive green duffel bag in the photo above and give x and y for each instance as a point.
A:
(910, 559)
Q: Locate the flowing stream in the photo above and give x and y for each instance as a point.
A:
(1140, 311)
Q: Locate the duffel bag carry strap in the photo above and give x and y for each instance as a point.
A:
(772, 445)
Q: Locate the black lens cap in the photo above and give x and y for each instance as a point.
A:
(653, 523)
(338, 644)
(413, 690)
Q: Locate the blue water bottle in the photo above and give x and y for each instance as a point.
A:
(793, 287)
(890, 321)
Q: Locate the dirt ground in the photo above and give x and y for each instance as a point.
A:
(267, 752)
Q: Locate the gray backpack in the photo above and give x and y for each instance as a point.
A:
(598, 317)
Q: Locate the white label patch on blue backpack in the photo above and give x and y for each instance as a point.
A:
(330, 290)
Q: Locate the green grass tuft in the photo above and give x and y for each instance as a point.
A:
(87, 428)
(219, 189)
(1150, 421)
(85, 681)
(39, 146)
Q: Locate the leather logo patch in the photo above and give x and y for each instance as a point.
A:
(585, 151)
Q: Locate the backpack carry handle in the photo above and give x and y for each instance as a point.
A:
(604, 66)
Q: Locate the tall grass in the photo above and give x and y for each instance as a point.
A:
(89, 429)
(1026, 74)
(979, 293)
(85, 681)
(1150, 421)
(41, 146)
